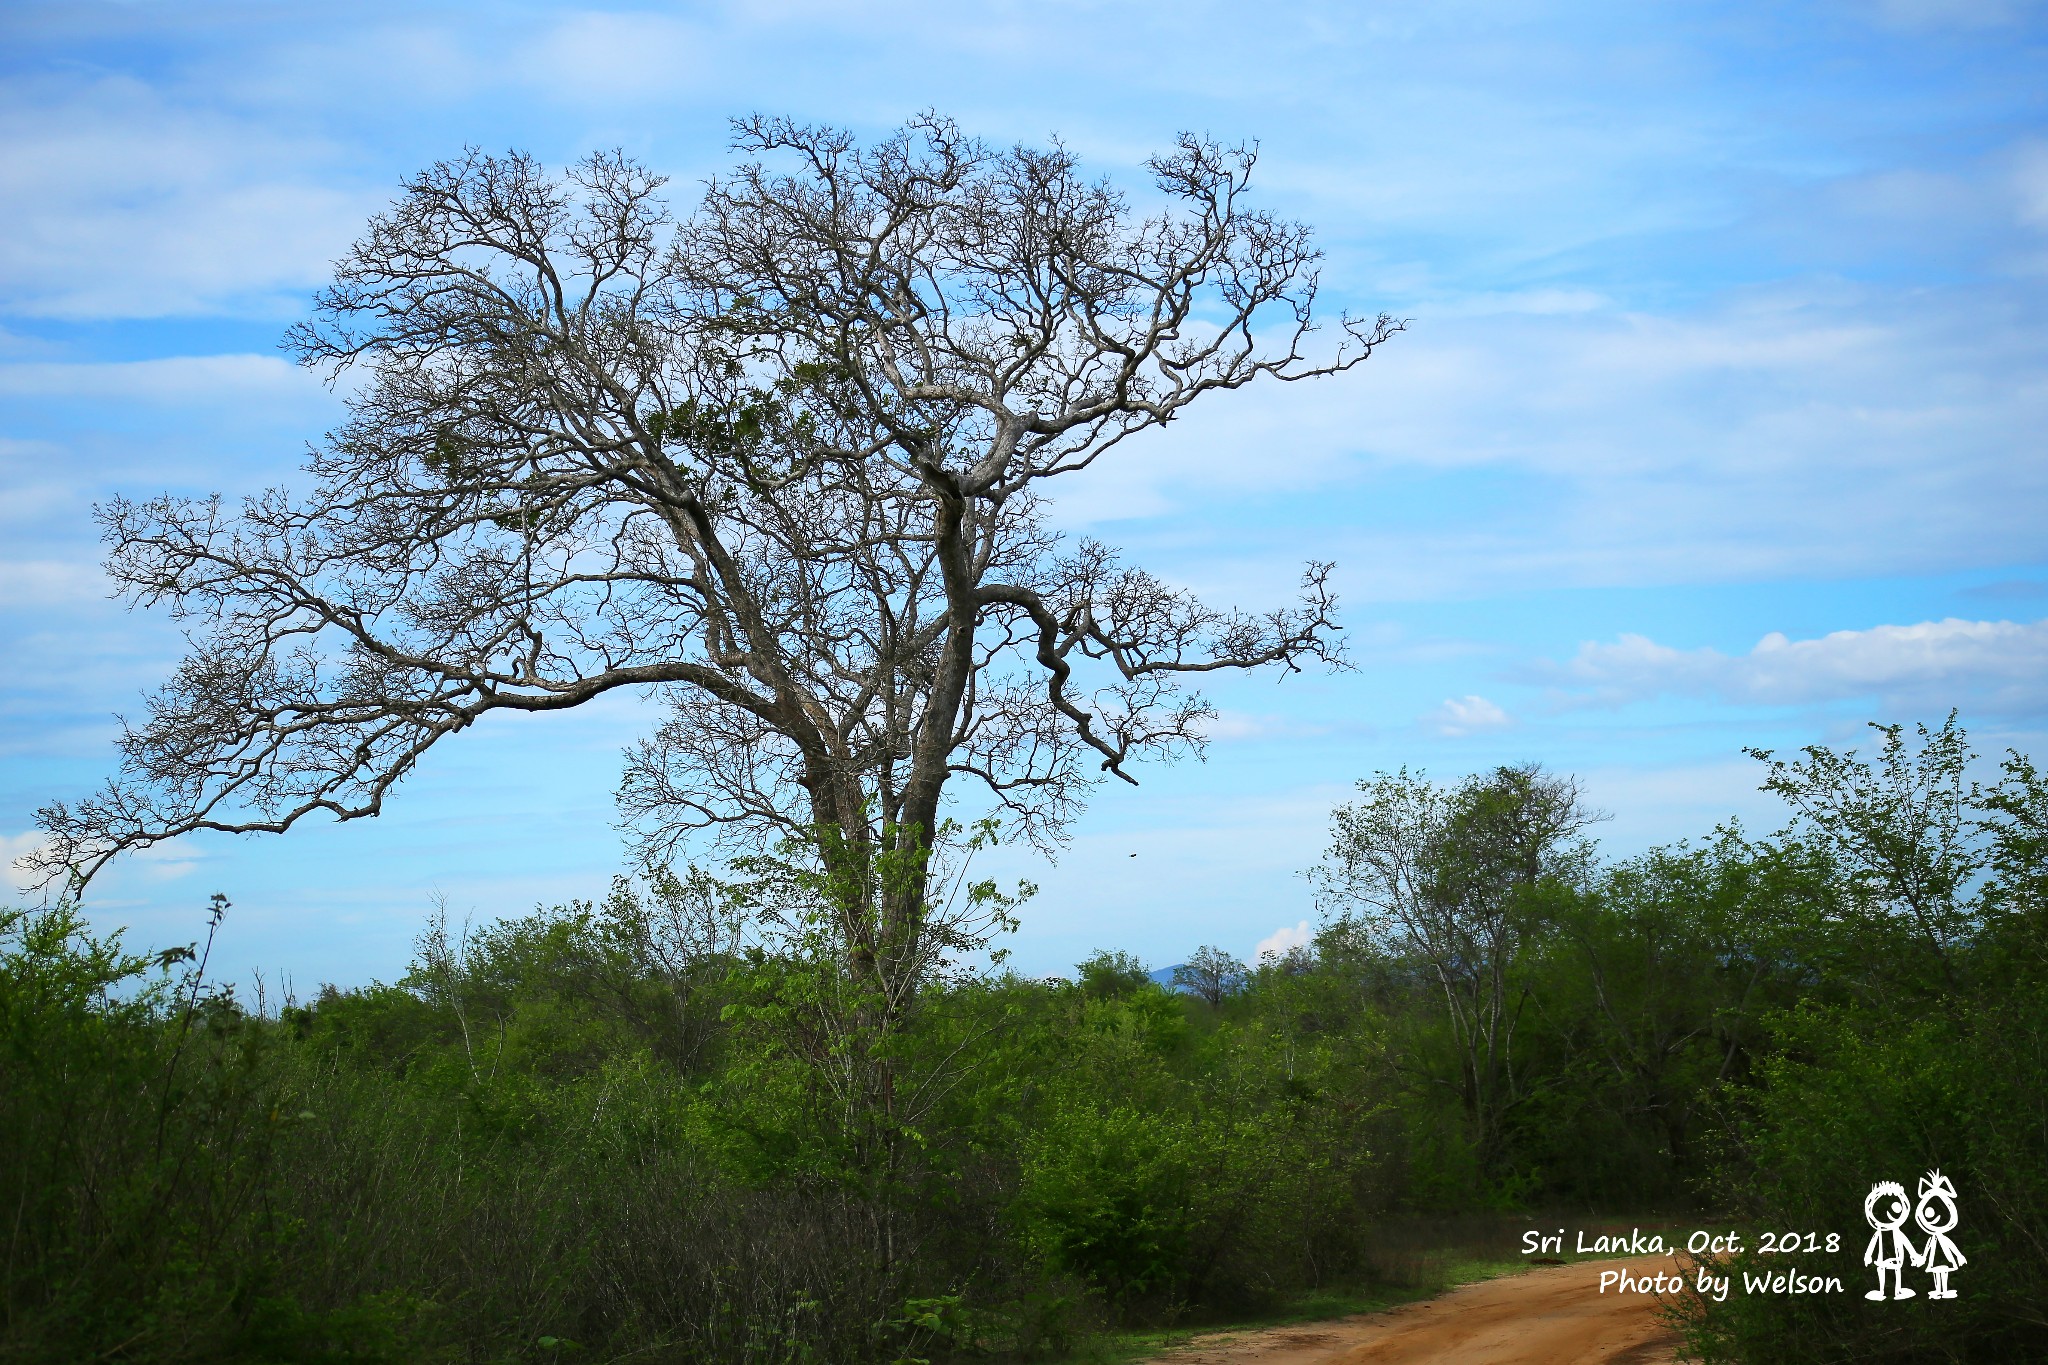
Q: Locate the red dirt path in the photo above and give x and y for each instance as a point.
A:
(1553, 1316)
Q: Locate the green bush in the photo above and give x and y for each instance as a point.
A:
(1926, 1047)
(611, 1131)
(1855, 1099)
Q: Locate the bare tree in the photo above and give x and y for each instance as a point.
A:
(777, 460)
(1440, 877)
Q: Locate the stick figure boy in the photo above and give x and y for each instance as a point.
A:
(1885, 1208)
(1937, 1217)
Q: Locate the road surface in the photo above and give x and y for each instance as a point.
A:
(1552, 1316)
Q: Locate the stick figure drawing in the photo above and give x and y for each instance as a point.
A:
(1885, 1209)
(1937, 1217)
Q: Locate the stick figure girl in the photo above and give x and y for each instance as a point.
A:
(1885, 1208)
(1936, 1217)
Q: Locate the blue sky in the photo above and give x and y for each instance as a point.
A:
(1720, 420)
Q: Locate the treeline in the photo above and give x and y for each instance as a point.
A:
(1762, 1028)
(639, 1129)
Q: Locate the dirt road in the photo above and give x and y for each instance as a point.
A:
(1552, 1316)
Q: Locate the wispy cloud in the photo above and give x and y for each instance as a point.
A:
(48, 583)
(192, 379)
(1459, 716)
(615, 58)
(125, 202)
(13, 849)
(1784, 431)
(1918, 15)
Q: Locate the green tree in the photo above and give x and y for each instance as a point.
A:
(1903, 835)
(1210, 975)
(1450, 882)
(1921, 1046)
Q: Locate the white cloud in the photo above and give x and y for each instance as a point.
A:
(126, 203)
(1228, 725)
(418, 63)
(2030, 183)
(47, 583)
(1932, 14)
(615, 58)
(170, 380)
(1787, 431)
(14, 848)
(167, 862)
(594, 60)
(1653, 805)
(1539, 302)
(34, 489)
(1282, 941)
(1995, 664)
(1464, 716)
